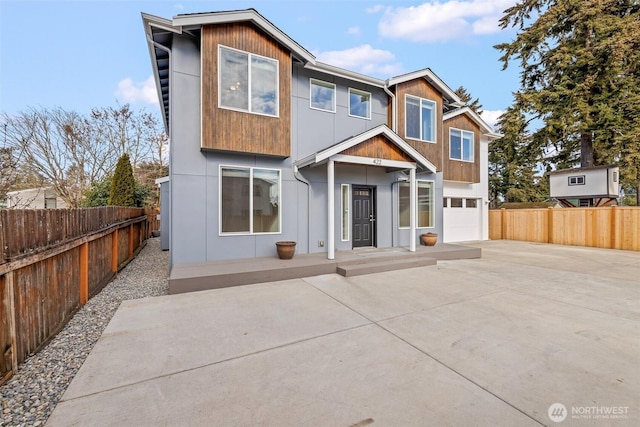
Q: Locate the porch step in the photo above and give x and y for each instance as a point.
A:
(357, 268)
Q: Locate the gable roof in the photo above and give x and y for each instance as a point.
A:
(247, 15)
(324, 155)
(435, 81)
(486, 129)
(159, 32)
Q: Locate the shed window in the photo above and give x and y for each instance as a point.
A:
(577, 180)
(248, 82)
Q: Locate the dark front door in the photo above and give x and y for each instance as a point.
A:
(363, 216)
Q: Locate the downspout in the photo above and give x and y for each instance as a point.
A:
(296, 175)
(394, 109)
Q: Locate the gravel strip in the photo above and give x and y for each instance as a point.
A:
(29, 397)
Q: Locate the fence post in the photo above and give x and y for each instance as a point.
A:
(9, 286)
(130, 241)
(114, 251)
(614, 222)
(84, 273)
(2, 250)
(503, 223)
(550, 226)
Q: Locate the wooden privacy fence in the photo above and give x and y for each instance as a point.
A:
(51, 262)
(616, 227)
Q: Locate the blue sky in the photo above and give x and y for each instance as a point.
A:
(83, 54)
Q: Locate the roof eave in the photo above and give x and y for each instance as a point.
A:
(248, 15)
(433, 79)
(347, 74)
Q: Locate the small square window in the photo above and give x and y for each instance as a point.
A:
(472, 203)
(456, 202)
(461, 145)
(323, 95)
(359, 104)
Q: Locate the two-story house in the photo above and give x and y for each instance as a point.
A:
(269, 144)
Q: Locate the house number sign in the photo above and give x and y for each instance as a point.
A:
(377, 162)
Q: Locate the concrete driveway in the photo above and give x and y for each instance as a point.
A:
(525, 332)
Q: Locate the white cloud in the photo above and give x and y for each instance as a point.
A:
(178, 6)
(435, 21)
(491, 117)
(354, 31)
(129, 91)
(375, 9)
(363, 59)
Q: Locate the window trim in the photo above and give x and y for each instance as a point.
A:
(249, 83)
(577, 180)
(473, 148)
(359, 92)
(250, 232)
(327, 85)
(435, 119)
(345, 227)
(433, 210)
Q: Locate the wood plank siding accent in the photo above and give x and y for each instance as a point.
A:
(228, 130)
(378, 147)
(456, 170)
(422, 89)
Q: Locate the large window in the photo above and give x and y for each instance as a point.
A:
(461, 145)
(248, 82)
(249, 200)
(425, 207)
(420, 119)
(323, 95)
(359, 103)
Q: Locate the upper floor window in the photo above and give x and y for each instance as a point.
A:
(323, 95)
(359, 103)
(248, 82)
(420, 119)
(461, 145)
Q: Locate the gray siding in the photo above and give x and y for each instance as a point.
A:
(194, 174)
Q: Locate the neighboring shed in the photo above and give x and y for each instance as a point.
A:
(591, 186)
(35, 198)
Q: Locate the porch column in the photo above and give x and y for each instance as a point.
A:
(412, 209)
(330, 210)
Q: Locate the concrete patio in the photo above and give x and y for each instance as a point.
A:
(493, 342)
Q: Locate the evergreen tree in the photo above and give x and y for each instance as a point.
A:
(466, 98)
(123, 184)
(580, 76)
(514, 162)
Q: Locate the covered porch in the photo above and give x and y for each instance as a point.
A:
(378, 148)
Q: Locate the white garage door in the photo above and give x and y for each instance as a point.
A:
(462, 219)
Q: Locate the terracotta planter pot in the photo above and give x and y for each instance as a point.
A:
(429, 239)
(286, 249)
